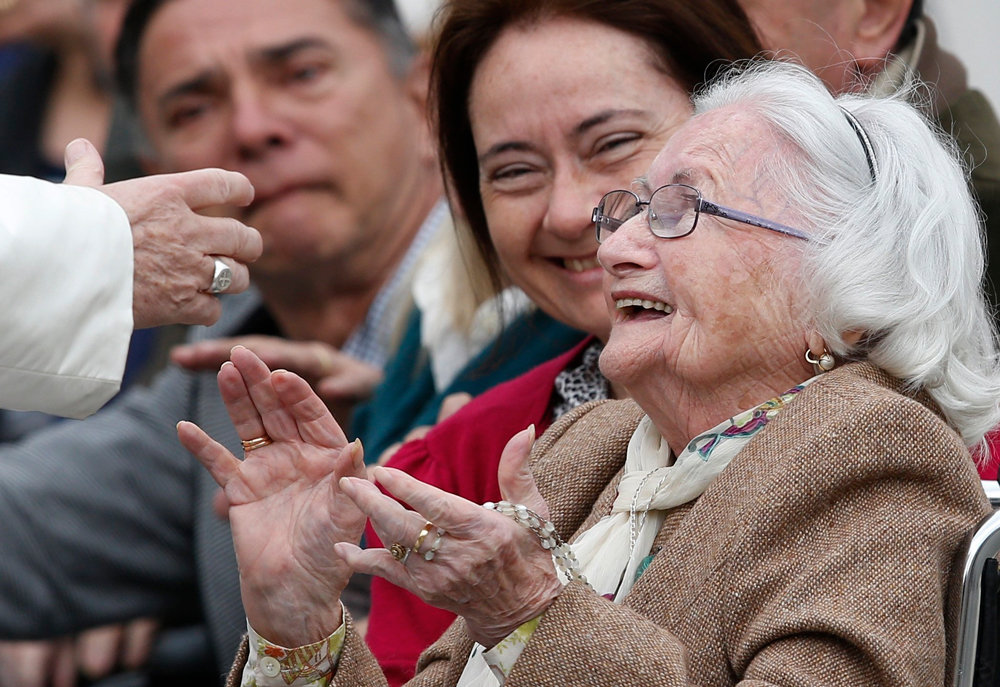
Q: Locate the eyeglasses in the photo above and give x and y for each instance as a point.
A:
(673, 213)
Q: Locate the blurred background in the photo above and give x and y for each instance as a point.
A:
(977, 43)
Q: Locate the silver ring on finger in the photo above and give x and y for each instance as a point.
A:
(222, 279)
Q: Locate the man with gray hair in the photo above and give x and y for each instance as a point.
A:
(320, 104)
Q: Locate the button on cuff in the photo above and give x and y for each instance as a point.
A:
(270, 666)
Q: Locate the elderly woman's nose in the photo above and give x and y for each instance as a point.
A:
(628, 248)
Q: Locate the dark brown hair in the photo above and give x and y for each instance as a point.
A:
(693, 41)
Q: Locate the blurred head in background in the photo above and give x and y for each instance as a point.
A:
(845, 42)
(320, 103)
(59, 24)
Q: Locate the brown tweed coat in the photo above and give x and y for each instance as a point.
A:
(821, 556)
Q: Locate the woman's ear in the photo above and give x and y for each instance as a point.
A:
(816, 344)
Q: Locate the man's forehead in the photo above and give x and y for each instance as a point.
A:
(196, 29)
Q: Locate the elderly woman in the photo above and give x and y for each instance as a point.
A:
(745, 520)
(535, 126)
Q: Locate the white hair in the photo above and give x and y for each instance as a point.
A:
(899, 257)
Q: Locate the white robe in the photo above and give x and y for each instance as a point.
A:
(66, 279)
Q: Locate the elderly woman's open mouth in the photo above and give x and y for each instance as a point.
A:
(641, 307)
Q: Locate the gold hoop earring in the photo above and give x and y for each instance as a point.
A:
(825, 363)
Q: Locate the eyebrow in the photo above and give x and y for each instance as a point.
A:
(284, 51)
(683, 176)
(580, 129)
(602, 117)
(202, 82)
(499, 148)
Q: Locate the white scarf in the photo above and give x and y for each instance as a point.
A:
(611, 551)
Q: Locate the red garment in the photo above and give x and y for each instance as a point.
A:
(989, 471)
(460, 456)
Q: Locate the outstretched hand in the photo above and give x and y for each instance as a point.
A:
(287, 509)
(175, 247)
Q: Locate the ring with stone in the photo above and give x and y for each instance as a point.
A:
(429, 556)
(222, 278)
(399, 552)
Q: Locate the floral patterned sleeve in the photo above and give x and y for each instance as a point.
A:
(270, 665)
(502, 657)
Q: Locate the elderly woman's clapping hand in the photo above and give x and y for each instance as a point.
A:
(298, 507)
(486, 568)
(286, 506)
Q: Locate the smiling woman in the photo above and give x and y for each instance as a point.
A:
(535, 125)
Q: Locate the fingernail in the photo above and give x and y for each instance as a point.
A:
(233, 349)
(358, 453)
(75, 150)
(347, 486)
(531, 434)
(226, 363)
(382, 476)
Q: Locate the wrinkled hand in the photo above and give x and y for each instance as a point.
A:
(287, 509)
(337, 377)
(174, 247)
(488, 569)
(94, 653)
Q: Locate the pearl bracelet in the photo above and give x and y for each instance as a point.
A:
(562, 555)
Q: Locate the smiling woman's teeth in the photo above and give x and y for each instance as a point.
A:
(581, 265)
(623, 303)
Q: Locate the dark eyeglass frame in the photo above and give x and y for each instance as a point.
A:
(700, 205)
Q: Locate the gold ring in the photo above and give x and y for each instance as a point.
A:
(423, 535)
(251, 444)
(399, 552)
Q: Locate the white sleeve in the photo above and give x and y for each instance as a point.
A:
(65, 296)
